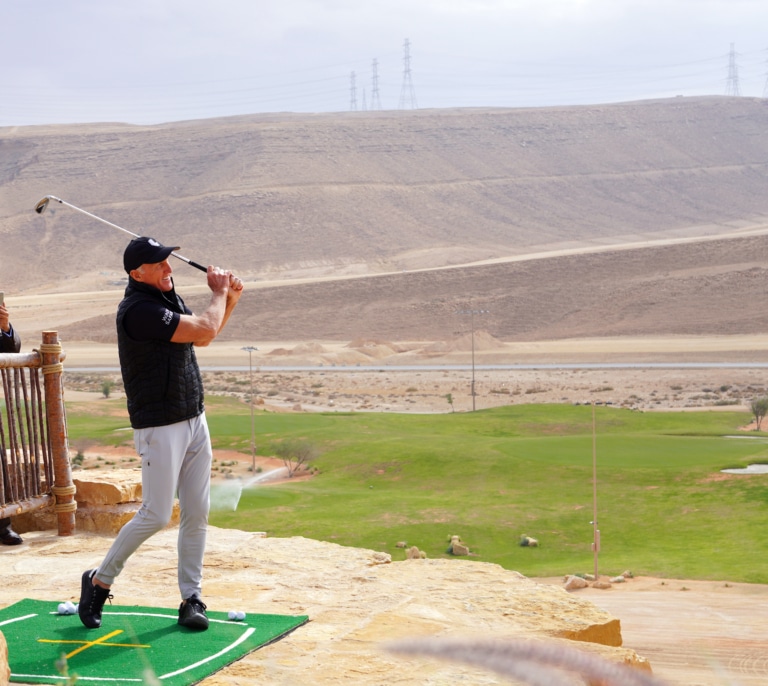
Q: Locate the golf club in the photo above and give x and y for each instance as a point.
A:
(43, 204)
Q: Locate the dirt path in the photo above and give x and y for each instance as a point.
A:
(694, 633)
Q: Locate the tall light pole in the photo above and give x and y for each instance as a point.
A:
(472, 314)
(250, 350)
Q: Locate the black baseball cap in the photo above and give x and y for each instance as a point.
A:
(144, 250)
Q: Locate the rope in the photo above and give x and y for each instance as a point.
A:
(51, 348)
(61, 491)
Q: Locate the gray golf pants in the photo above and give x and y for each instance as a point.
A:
(174, 459)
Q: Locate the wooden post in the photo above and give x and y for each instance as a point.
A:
(595, 529)
(63, 489)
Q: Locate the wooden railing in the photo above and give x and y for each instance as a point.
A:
(34, 454)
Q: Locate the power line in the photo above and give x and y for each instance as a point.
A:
(732, 86)
(472, 314)
(352, 93)
(407, 92)
(765, 87)
(375, 99)
(469, 82)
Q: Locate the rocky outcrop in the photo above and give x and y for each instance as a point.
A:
(5, 672)
(357, 601)
(106, 500)
(108, 487)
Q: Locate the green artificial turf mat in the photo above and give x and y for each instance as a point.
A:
(132, 642)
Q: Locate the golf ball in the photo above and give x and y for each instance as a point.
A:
(232, 614)
(240, 615)
(67, 608)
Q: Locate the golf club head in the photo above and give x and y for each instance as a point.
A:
(42, 205)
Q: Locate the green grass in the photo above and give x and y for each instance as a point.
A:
(493, 475)
(105, 423)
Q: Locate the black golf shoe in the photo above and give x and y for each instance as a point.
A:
(192, 614)
(92, 599)
(10, 537)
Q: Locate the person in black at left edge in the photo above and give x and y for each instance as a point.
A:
(9, 343)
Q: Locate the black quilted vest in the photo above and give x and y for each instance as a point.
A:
(162, 380)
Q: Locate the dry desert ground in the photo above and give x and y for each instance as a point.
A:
(306, 383)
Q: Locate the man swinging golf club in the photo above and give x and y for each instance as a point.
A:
(156, 335)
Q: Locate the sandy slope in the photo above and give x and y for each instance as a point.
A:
(695, 633)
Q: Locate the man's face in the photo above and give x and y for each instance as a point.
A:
(157, 274)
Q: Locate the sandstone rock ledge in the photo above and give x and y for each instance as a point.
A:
(356, 600)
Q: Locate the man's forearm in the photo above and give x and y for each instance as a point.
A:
(203, 328)
(215, 314)
(231, 303)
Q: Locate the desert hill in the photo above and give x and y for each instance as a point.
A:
(700, 289)
(400, 196)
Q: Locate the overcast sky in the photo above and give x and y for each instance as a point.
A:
(153, 61)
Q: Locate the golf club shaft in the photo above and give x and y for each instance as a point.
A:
(41, 206)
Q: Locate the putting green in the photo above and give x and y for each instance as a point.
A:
(132, 643)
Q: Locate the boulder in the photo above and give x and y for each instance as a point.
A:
(413, 553)
(456, 547)
(573, 583)
(603, 585)
(106, 500)
(107, 487)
